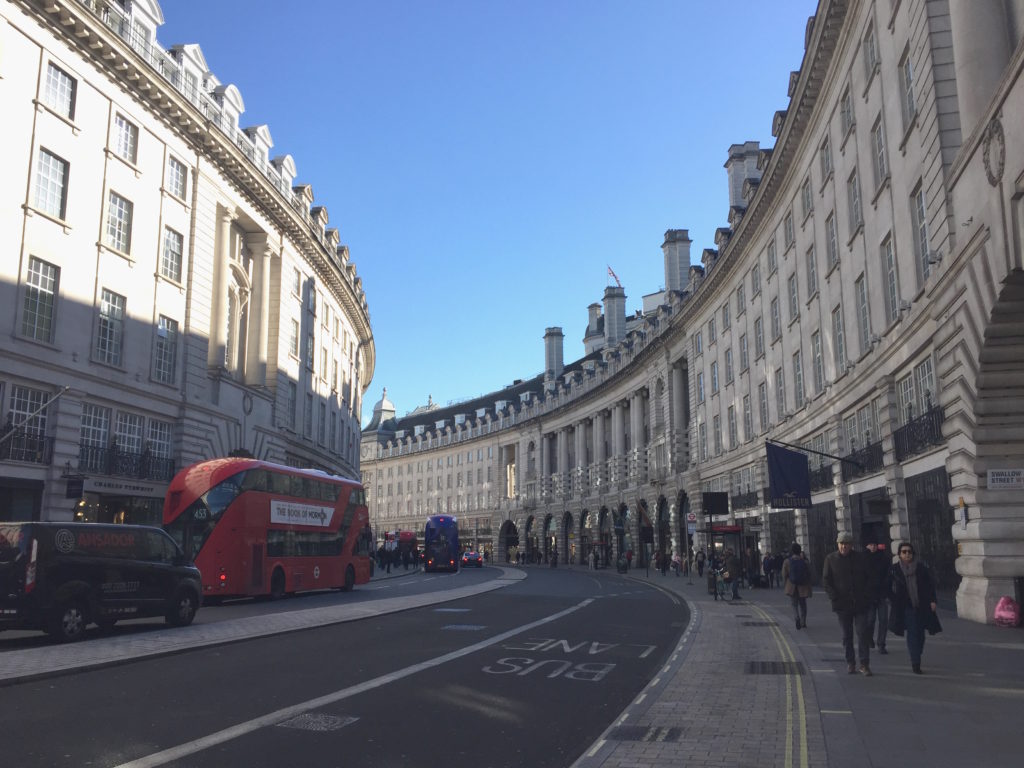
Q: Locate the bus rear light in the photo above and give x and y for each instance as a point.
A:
(30, 569)
(223, 579)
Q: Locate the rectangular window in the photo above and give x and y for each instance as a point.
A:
(170, 260)
(51, 184)
(853, 191)
(702, 437)
(755, 280)
(126, 139)
(762, 404)
(714, 377)
(323, 363)
(728, 366)
(310, 351)
(110, 329)
(733, 435)
(758, 337)
(165, 350)
(119, 223)
(839, 339)
(321, 425)
(794, 298)
(819, 363)
(716, 426)
(772, 260)
(878, 153)
(60, 91)
(798, 380)
(293, 339)
(776, 319)
(831, 240)
(812, 272)
(780, 392)
(744, 353)
(726, 320)
(307, 425)
(826, 159)
(892, 294)
(919, 211)
(712, 331)
(806, 199)
(741, 302)
(291, 404)
(788, 233)
(698, 343)
(700, 387)
(95, 430)
(748, 419)
(41, 284)
(334, 374)
(846, 113)
(160, 436)
(296, 282)
(908, 103)
(860, 293)
(177, 178)
(870, 54)
(129, 433)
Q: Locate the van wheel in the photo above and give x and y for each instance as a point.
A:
(68, 621)
(183, 609)
(277, 585)
(350, 579)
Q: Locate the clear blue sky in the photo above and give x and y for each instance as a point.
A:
(486, 161)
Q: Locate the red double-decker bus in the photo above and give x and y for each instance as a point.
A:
(261, 529)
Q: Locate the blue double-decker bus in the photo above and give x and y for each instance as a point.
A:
(441, 544)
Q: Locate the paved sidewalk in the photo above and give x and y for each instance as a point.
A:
(745, 688)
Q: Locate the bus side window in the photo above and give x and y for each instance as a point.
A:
(279, 484)
(255, 480)
(328, 492)
(296, 486)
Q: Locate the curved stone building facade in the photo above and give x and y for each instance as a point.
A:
(863, 301)
(172, 292)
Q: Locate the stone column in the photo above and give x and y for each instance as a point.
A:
(599, 475)
(981, 50)
(259, 311)
(221, 281)
(618, 440)
(562, 438)
(678, 417)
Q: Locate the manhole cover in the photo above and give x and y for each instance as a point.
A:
(311, 721)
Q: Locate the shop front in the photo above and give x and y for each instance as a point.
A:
(112, 500)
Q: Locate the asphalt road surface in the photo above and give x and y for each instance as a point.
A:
(529, 675)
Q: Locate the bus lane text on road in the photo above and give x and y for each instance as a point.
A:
(541, 662)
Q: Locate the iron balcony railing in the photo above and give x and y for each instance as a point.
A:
(27, 446)
(919, 434)
(866, 461)
(744, 500)
(113, 461)
(821, 477)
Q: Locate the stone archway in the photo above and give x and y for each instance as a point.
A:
(508, 541)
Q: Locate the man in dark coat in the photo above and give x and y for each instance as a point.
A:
(845, 578)
(732, 567)
(879, 563)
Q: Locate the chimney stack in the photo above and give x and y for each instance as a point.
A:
(676, 249)
(553, 353)
(741, 165)
(614, 315)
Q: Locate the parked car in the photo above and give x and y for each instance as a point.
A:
(472, 558)
(60, 577)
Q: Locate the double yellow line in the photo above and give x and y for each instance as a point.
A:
(793, 681)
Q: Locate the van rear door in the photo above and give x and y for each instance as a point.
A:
(14, 543)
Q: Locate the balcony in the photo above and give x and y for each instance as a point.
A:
(114, 461)
(919, 434)
(864, 462)
(744, 500)
(26, 446)
(821, 477)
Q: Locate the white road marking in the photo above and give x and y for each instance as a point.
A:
(273, 718)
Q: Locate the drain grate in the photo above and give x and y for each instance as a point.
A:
(317, 722)
(774, 668)
(759, 624)
(645, 733)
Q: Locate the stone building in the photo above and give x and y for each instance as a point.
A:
(173, 293)
(864, 300)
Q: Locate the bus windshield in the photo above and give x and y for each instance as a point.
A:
(193, 527)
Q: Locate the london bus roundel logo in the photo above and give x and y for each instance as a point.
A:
(64, 541)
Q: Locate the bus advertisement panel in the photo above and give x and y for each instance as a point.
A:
(441, 544)
(256, 528)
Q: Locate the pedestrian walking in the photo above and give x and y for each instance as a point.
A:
(700, 563)
(677, 563)
(796, 579)
(913, 602)
(845, 578)
(733, 569)
(768, 566)
(879, 565)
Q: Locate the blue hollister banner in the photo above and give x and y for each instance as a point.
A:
(789, 482)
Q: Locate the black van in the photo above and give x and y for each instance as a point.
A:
(59, 577)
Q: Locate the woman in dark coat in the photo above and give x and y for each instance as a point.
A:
(913, 602)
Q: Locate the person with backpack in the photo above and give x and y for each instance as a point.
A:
(796, 578)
